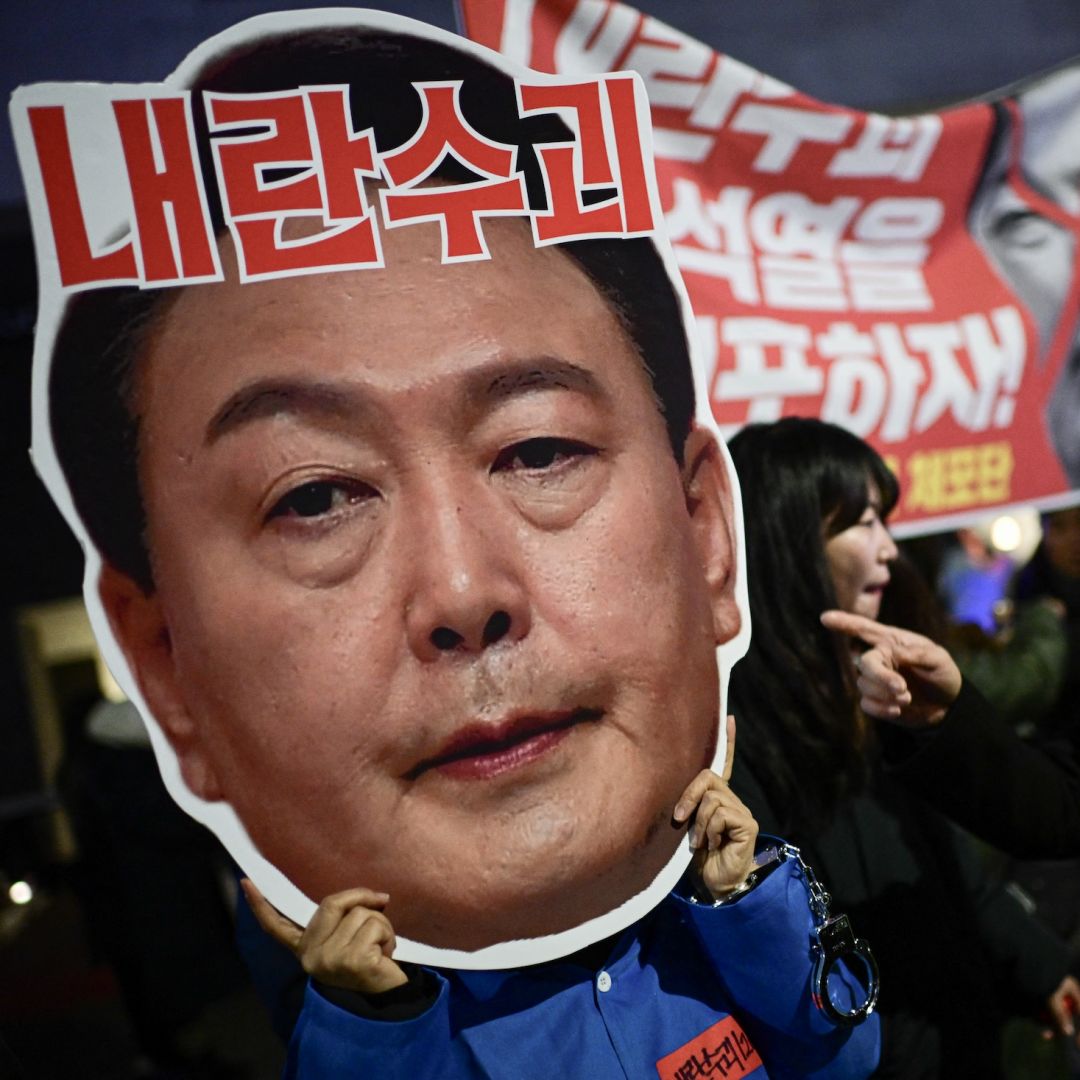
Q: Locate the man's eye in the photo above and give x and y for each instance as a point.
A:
(542, 453)
(319, 497)
(1023, 228)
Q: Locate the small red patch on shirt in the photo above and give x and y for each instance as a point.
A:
(722, 1051)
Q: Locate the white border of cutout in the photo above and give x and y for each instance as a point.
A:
(219, 817)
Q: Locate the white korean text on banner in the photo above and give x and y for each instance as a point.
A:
(913, 279)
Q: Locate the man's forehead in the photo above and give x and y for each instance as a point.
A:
(504, 235)
(531, 303)
(416, 251)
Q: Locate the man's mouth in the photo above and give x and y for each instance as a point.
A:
(483, 751)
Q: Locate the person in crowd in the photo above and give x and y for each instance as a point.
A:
(813, 763)
(1051, 582)
(1052, 577)
(973, 579)
(1022, 667)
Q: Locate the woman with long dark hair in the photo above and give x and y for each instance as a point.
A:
(956, 952)
(805, 482)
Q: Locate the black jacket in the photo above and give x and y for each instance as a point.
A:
(974, 769)
(955, 949)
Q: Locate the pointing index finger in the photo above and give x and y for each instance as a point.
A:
(856, 626)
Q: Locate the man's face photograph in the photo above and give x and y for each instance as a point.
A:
(435, 607)
(424, 573)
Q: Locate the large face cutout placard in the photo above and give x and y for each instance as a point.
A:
(366, 379)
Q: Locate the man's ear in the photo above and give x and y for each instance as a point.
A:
(139, 626)
(707, 486)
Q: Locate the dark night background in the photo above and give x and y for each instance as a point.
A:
(883, 54)
(890, 55)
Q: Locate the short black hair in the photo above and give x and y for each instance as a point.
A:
(93, 420)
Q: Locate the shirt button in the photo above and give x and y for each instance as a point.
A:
(603, 982)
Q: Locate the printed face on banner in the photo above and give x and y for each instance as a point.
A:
(913, 279)
(1026, 215)
(419, 574)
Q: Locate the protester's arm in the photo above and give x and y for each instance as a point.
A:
(903, 677)
(1032, 961)
(330, 1042)
(362, 1012)
(759, 947)
(948, 746)
(977, 771)
(758, 937)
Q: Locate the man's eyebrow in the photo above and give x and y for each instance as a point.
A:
(487, 384)
(511, 378)
(269, 397)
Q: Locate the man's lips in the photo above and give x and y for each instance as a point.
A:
(482, 751)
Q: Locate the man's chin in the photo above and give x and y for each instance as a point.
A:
(529, 906)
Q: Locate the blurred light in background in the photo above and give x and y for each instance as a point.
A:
(1005, 533)
(20, 892)
(1020, 529)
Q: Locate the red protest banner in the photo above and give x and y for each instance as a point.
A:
(911, 278)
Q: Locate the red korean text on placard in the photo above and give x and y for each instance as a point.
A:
(170, 225)
(308, 136)
(604, 114)
(721, 1052)
(457, 207)
(290, 172)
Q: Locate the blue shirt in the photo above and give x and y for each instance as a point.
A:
(689, 991)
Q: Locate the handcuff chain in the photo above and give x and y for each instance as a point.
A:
(820, 900)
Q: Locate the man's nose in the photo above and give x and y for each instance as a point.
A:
(468, 590)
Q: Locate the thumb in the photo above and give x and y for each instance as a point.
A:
(280, 928)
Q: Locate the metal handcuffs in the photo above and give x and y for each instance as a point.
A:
(833, 939)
